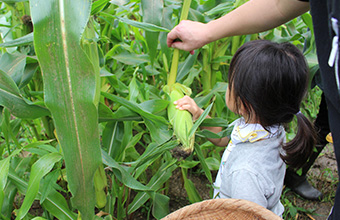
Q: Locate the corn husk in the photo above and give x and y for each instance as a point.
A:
(181, 120)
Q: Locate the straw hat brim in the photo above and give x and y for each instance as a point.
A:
(223, 209)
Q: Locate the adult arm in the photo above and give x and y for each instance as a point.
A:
(252, 17)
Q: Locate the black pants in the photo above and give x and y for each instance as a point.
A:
(334, 122)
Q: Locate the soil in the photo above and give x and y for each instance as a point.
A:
(323, 176)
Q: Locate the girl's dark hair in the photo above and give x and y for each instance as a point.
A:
(270, 80)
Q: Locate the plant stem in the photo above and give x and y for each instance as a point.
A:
(174, 67)
(185, 10)
(175, 57)
(34, 129)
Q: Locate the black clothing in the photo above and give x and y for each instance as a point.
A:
(325, 14)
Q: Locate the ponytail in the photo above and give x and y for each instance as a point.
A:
(298, 150)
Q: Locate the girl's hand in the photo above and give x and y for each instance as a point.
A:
(191, 34)
(187, 103)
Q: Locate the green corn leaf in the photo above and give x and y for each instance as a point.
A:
(29, 72)
(307, 19)
(166, 22)
(221, 8)
(55, 203)
(208, 134)
(160, 205)
(200, 120)
(203, 163)
(213, 163)
(49, 184)
(122, 174)
(121, 114)
(13, 65)
(127, 138)
(7, 207)
(21, 41)
(97, 6)
(134, 140)
(11, 98)
(204, 100)
(188, 164)
(207, 5)
(131, 59)
(154, 106)
(19, 165)
(152, 152)
(104, 112)
(113, 135)
(4, 168)
(215, 122)
(38, 171)
(134, 90)
(71, 74)
(157, 125)
(186, 66)
(190, 188)
(152, 13)
(155, 183)
(141, 25)
(220, 104)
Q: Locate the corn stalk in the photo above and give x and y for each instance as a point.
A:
(175, 57)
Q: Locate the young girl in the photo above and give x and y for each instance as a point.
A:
(267, 82)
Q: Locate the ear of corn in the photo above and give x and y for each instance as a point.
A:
(100, 185)
(181, 120)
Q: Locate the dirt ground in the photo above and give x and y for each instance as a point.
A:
(323, 175)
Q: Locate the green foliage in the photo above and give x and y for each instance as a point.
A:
(85, 90)
(292, 211)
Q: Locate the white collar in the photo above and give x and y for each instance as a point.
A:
(243, 132)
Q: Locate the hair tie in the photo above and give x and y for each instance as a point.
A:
(299, 112)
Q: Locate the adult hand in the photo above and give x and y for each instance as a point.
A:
(188, 35)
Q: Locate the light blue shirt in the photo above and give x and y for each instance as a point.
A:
(251, 167)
